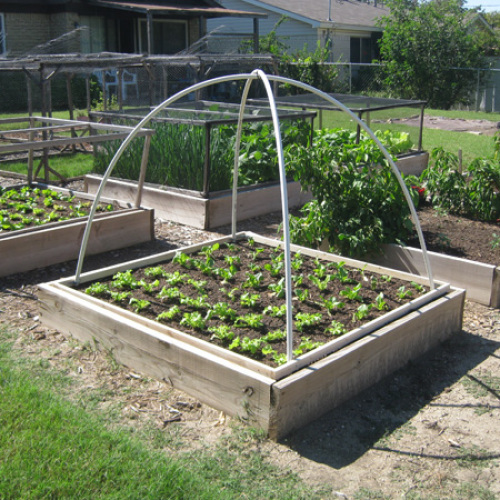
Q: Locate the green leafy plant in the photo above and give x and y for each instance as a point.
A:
(276, 311)
(198, 285)
(175, 278)
(97, 289)
(251, 320)
(274, 336)
(149, 287)
(353, 294)
(303, 321)
(184, 260)
(125, 281)
(302, 294)
(362, 312)
(253, 280)
(495, 241)
(403, 293)
(352, 208)
(199, 302)
(332, 303)
(169, 294)
(249, 299)
(252, 346)
(170, 314)
(224, 311)
(380, 302)
(139, 305)
(336, 328)
(154, 272)
(119, 297)
(193, 320)
(306, 345)
(278, 289)
(321, 284)
(222, 333)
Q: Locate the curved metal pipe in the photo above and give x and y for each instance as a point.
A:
(388, 157)
(123, 147)
(249, 77)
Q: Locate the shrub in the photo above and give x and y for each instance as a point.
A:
(358, 203)
(474, 193)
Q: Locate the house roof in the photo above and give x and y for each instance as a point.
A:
(205, 8)
(348, 13)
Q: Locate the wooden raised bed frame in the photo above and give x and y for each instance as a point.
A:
(277, 400)
(191, 208)
(57, 242)
(481, 281)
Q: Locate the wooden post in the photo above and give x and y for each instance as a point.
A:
(206, 167)
(87, 90)
(69, 92)
(164, 73)
(420, 134)
(256, 47)
(30, 94)
(119, 90)
(150, 32)
(144, 165)
(45, 153)
(104, 93)
(30, 153)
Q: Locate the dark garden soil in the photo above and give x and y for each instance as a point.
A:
(329, 300)
(460, 236)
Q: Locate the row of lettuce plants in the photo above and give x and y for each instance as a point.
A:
(234, 295)
(28, 206)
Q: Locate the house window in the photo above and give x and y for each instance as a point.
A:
(92, 39)
(3, 35)
(169, 37)
(361, 50)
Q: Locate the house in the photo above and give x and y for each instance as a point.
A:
(126, 26)
(348, 26)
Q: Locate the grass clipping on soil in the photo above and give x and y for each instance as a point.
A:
(233, 295)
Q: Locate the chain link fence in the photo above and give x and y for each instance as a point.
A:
(356, 78)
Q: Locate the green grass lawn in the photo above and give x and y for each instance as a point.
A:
(69, 165)
(53, 448)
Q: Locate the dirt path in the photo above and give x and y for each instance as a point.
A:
(480, 127)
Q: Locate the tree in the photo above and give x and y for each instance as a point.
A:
(489, 39)
(425, 47)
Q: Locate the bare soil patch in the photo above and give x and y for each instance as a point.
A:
(480, 127)
(460, 236)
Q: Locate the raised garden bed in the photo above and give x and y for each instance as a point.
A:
(208, 212)
(274, 398)
(193, 209)
(32, 244)
(481, 281)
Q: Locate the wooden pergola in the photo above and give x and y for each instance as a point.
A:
(40, 71)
